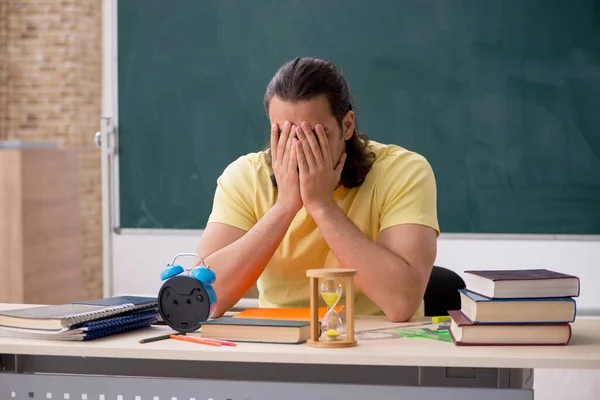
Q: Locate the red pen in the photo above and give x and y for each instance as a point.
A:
(195, 340)
(223, 342)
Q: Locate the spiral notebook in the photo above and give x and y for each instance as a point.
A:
(58, 317)
(88, 330)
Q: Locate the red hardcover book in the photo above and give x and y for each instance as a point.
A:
(523, 283)
(466, 333)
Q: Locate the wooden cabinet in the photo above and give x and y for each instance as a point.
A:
(41, 233)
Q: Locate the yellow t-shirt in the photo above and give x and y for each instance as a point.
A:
(400, 188)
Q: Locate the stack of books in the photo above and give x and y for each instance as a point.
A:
(515, 307)
(85, 320)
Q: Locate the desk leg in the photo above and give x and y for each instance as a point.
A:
(8, 362)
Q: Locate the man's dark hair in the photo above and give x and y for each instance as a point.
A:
(306, 78)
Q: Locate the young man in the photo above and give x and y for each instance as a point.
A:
(322, 196)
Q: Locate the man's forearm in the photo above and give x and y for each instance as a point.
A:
(387, 279)
(240, 264)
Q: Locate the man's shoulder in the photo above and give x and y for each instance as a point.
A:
(392, 158)
(250, 164)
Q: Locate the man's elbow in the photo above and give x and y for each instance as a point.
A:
(223, 306)
(400, 313)
(399, 316)
(402, 308)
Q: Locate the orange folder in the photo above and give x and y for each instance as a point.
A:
(294, 314)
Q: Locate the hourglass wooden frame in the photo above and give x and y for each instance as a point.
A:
(346, 278)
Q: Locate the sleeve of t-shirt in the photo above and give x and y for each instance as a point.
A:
(233, 199)
(406, 193)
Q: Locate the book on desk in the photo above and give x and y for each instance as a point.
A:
(515, 307)
(266, 325)
(82, 320)
(259, 330)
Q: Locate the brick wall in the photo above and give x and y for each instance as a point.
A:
(51, 88)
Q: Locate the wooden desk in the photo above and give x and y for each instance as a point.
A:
(390, 368)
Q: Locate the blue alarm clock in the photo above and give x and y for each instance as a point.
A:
(187, 300)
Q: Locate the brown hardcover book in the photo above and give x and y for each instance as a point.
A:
(466, 333)
(523, 283)
(256, 330)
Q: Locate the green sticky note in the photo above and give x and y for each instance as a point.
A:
(426, 333)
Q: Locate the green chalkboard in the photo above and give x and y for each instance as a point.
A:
(501, 96)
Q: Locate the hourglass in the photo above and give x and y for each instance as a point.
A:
(330, 331)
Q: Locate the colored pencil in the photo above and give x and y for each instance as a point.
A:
(196, 340)
(223, 342)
